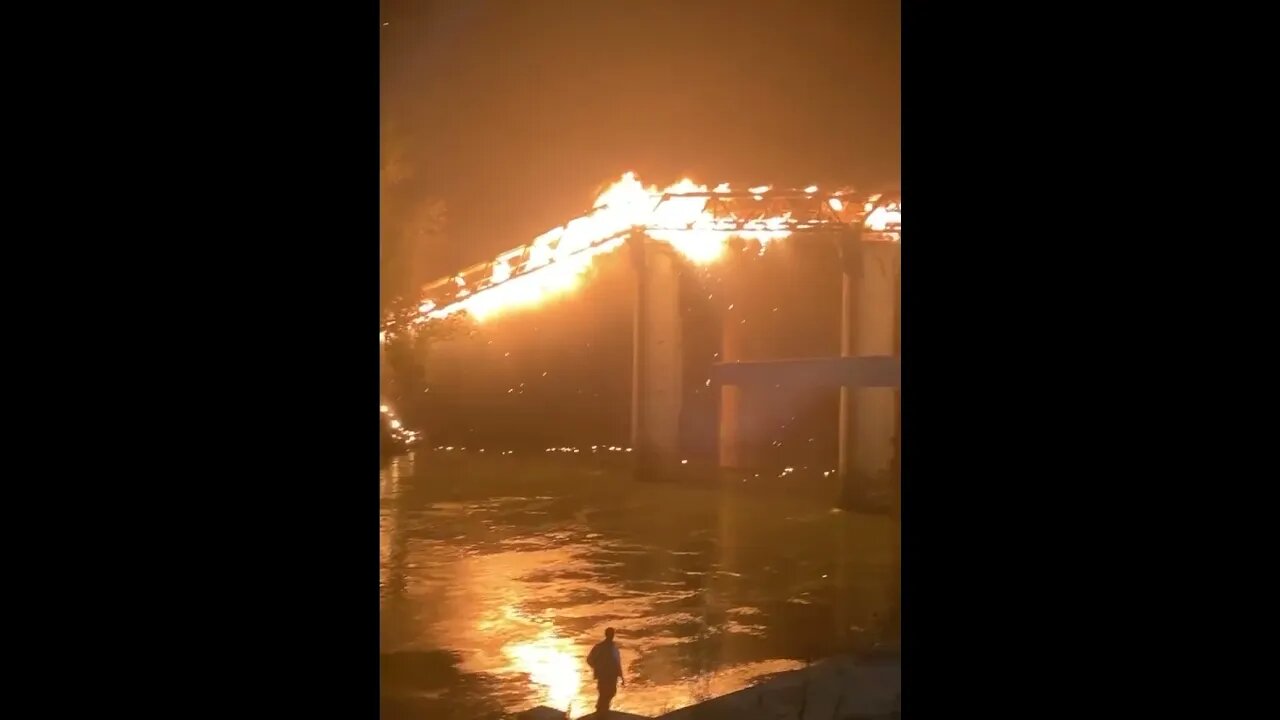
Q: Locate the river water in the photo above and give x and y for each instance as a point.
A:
(498, 573)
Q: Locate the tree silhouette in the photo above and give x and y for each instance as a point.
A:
(412, 224)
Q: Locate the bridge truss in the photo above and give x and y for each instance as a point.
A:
(759, 213)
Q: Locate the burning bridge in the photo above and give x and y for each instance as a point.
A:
(689, 221)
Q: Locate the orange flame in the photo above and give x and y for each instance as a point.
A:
(555, 262)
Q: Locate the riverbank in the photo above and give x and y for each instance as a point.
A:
(838, 688)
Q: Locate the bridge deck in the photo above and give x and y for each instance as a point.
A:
(870, 371)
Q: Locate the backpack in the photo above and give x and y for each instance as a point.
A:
(593, 658)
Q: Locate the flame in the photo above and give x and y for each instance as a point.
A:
(530, 288)
(884, 217)
(555, 262)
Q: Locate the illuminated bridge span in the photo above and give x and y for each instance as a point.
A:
(695, 223)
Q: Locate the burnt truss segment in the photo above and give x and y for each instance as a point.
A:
(735, 212)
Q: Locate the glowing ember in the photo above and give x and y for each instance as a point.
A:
(398, 431)
(696, 222)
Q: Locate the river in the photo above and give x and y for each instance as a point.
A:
(498, 572)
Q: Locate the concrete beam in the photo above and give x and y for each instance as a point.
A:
(880, 371)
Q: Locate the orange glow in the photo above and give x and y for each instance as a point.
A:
(398, 430)
(883, 217)
(680, 215)
(551, 662)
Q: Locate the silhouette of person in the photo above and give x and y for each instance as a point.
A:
(606, 664)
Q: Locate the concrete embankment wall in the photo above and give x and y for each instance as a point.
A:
(838, 688)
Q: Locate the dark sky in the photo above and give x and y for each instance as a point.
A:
(518, 110)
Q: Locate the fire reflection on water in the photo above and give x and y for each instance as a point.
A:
(532, 643)
(516, 589)
(552, 663)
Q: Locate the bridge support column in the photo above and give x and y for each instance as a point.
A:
(869, 422)
(730, 421)
(657, 389)
(639, 339)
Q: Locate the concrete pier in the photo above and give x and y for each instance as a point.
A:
(658, 359)
(869, 422)
(731, 455)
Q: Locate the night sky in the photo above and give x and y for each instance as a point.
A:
(516, 112)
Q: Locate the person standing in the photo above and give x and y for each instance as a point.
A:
(606, 664)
